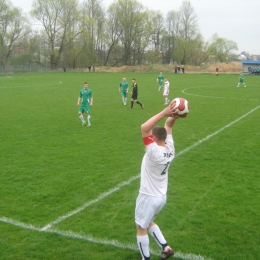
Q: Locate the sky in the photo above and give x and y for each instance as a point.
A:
(236, 20)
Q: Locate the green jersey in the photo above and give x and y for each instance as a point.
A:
(160, 79)
(124, 86)
(85, 95)
(241, 78)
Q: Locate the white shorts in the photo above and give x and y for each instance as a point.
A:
(146, 209)
(165, 93)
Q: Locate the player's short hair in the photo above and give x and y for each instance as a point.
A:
(133, 79)
(85, 83)
(159, 132)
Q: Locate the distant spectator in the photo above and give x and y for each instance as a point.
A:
(217, 71)
(175, 69)
(179, 69)
(182, 68)
(249, 70)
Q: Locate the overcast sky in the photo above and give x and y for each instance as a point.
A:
(237, 20)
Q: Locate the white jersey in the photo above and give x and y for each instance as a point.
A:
(166, 89)
(154, 169)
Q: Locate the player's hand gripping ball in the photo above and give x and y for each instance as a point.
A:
(183, 106)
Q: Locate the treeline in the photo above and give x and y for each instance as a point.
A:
(74, 35)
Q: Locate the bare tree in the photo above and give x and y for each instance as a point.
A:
(113, 33)
(188, 30)
(13, 27)
(131, 19)
(57, 17)
(157, 28)
(93, 21)
(169, 40)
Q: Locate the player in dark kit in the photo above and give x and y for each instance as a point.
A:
(134, 95)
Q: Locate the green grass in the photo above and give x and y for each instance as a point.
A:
(51, 166)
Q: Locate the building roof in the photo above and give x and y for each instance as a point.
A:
(250, 61)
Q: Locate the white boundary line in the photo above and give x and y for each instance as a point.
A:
(91, 239)
(195, 95)
(109, 192)
(106, 194)
(100, 197)
(217, 132)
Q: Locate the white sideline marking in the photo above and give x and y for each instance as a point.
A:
(104, 195)
(100, 197)
(109, 192)
(217, 132)
(91, 239)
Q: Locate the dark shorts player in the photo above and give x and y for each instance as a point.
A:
(134, 95)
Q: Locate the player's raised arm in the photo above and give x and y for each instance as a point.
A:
(146, 128)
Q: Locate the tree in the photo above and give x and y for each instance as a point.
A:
(56, 17)
(188, 30)
(131, 20)
(112, 35)
(222, 48)
(13, 27)
(93, 20)
(169, 39)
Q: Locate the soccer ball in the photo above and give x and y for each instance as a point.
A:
(182, 104)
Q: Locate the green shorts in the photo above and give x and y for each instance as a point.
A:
(241, 80)
(84, 109)
(123, 93)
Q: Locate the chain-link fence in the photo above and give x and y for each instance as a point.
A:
(12, 69)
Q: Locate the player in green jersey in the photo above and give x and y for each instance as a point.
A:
(85, 101)
(123, 89)
(160, 80)
(241, 80)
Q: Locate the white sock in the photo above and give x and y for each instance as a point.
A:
(158, 236)
(81, 118)
(88, 120)
(143, 244)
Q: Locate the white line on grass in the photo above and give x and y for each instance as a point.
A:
(91, 239)
(106, 194)
(217, 132)
(100, 197)
(184, 92)
(111, 191)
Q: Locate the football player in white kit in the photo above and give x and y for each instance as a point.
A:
(159, 154)
(166, 90)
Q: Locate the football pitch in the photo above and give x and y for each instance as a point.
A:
(68, 192)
